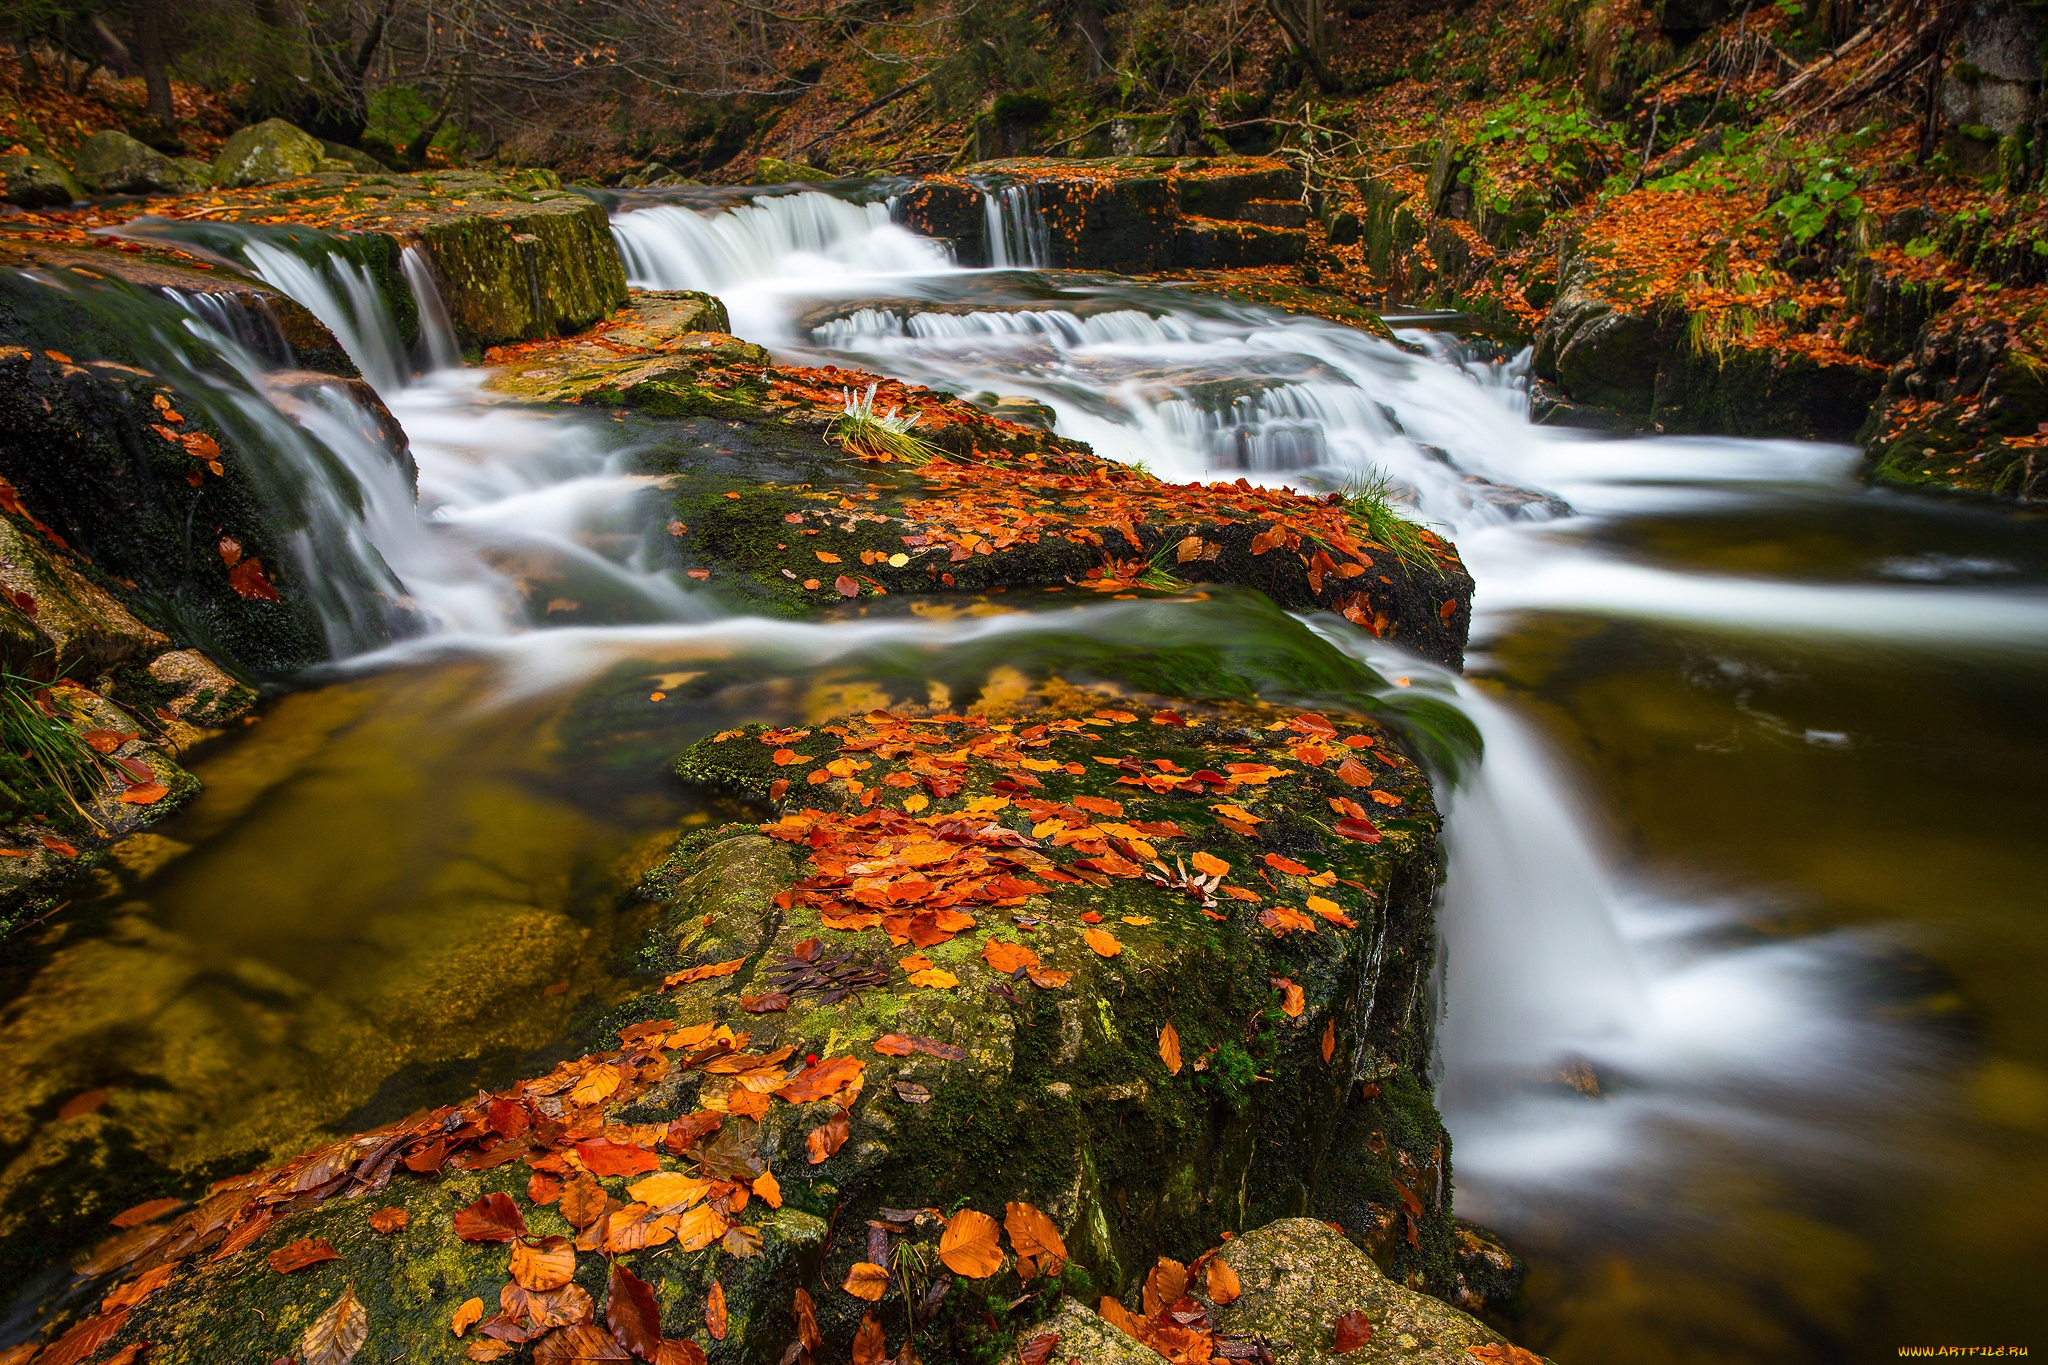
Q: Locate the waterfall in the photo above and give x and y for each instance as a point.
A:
(438, 349)
(1014, 231)
(774, 238)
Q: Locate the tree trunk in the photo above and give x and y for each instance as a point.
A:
(151, 55)
(1088, 19)
(1307, 34)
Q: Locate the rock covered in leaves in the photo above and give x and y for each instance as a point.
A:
(910, 1051)
(773, 511)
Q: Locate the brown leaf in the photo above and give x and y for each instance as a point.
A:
(1037, 1350)
(847, 586)
(1353, 1331)
(550, 1264)
(820, 1080)
(679, 1353)
(1292, 1001)
(582, 1343)
(632, 1313)
(706, 972)
(866, 1280)
(827, 1138)
(714, 1311)
(969, 1245)
(1224, 1286)
(1503, 1353)
(337, 1334)
(467, 1316)
(85, 1339)
(390, 1220)
(1032, 1234)
(582, 1201)
(485, 1349)
(807, 1323)
(493, 1218)
(300, 1254)
(1169, 1048)
(145, 1213)
(870, 1347)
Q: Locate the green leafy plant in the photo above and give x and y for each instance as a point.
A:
(860, 431)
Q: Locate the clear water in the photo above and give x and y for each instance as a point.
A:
(1754, 845)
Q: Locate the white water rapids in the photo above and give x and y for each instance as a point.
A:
(1558, 952)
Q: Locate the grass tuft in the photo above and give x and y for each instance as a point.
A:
(886, 437)
(1369, 499)
(47, 746)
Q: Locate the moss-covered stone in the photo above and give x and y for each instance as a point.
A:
(265, 153)
(35, 182)
(111, 162)
(1299, 1277)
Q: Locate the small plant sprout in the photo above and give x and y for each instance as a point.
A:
(1370, 500)
(887, 437)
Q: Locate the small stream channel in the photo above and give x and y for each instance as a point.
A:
(1743, 925)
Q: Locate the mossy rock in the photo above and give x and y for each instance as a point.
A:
(265, 153)
(111, 162)
(1299, 1276)
(1058, 1094)
(36, 182)
(773, 170)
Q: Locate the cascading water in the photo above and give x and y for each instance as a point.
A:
(1567, 975)
(1014, 231)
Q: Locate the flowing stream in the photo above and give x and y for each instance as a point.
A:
(1735, 1046)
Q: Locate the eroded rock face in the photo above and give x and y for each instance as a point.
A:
(1299, 1276)
(111, 162)
(265, 153)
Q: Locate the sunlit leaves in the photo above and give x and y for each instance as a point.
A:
(970, 1247)
(493, 1218)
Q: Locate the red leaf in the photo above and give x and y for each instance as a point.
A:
(581, 1343)
(247, 578)
(230, 551)
(1353, 1331)
(602, 1156)
(84, 1339)
(146, 1213)
(631, 1312)
(300, 1254)
(1362, 830)
(847, 586)
(493, 1218)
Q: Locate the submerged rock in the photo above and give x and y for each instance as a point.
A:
(265, 153)
(111, 162)
(36, 182)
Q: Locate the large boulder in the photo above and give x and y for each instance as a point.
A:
(267, 152)
(36, 182)
(112, 162)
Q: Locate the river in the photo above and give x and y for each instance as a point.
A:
(1742, 930)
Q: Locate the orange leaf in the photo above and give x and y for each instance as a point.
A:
(1102, 942)
(704, 973)
(1291, 1000)
(847, 587)
(145, 1212)
(768, 1190)
(1209, 865)
(827, 1138)
(300, 1254)
(819, 1080)
(145, 793)
(467, 1316)
(1169, 1048)
(1032, 1234)
(388, 1221)
(866, 1280)
(1281, 863)
(714, 1311)
(870, 1347)
(1224, 1286)
(826, 557)
(1329, 1039)
(969, 1245)
(1007, 957)
(548, 1265)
